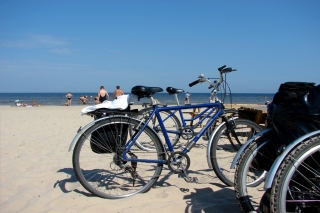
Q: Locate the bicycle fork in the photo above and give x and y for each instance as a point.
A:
(231, 131)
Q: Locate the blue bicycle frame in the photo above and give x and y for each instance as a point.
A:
(218, 107)
(201, 115)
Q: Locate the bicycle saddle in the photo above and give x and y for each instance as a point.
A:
(143, 91)
(173, 91)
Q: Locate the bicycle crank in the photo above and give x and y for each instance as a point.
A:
(179, 162)
(187, 133)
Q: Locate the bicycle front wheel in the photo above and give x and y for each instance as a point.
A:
(296, 186)
(251, 170)
(99, 167)
(226, 144)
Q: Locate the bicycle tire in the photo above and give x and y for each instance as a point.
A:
(249, 171)
(230, 114)
(171, 123)
(106, 175)
(222, 150)
(298, 179)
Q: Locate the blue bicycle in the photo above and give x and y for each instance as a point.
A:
(175, 122)
(109, 165)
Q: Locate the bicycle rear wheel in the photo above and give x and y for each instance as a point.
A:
(296, 186)
(170, 122)
(251, 171)
(99, 167)
(225, 146)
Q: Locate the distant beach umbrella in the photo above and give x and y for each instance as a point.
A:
(17, 101)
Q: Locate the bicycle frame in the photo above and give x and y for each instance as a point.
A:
(218, 107)
(201, 116)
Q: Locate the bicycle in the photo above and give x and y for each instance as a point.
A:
(176, 125)
(124, 170)
(220, 144)
(261, 156)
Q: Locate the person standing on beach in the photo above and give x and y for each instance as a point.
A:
(96, 100)
(117, 92)
(85, 100)
(102, 95)
(187, 101)
(69, 97)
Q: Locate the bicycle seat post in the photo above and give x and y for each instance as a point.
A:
(152, 101)
(176, 97)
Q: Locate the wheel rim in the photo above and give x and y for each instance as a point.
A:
(291, 173)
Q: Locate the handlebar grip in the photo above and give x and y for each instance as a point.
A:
(220, 68)
(193, 83)
(229, 69)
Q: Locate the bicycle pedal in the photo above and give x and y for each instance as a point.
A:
(191, 179)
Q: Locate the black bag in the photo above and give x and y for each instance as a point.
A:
(109, 138)
(296, 111)
(289, 92)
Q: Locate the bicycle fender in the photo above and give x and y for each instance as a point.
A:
(210, 142)
(82, 130)
(236, 158)
(273, 170)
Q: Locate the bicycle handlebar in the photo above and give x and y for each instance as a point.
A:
(194, 83)
(216, 84)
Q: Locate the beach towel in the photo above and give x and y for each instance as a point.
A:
(121, 103)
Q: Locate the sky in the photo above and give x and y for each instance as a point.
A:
(80, 45)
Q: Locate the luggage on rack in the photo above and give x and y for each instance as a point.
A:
(290, 92)
(109, 138)
(296, 111)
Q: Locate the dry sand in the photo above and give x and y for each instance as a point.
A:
(36, 171)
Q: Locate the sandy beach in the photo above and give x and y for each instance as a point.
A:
(36, 171)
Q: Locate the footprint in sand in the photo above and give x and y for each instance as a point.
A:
(162, 195)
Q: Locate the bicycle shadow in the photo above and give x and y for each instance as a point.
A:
(70, 184)
(182, 144)
(202, 200)
(202, 177)
(207, 200)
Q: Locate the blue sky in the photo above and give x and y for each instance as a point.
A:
(77, 46)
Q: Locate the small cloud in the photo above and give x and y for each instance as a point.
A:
(37, 41)
(47, 40)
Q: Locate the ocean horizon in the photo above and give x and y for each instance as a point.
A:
(59, 99)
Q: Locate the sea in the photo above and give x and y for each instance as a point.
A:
(59, 99)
